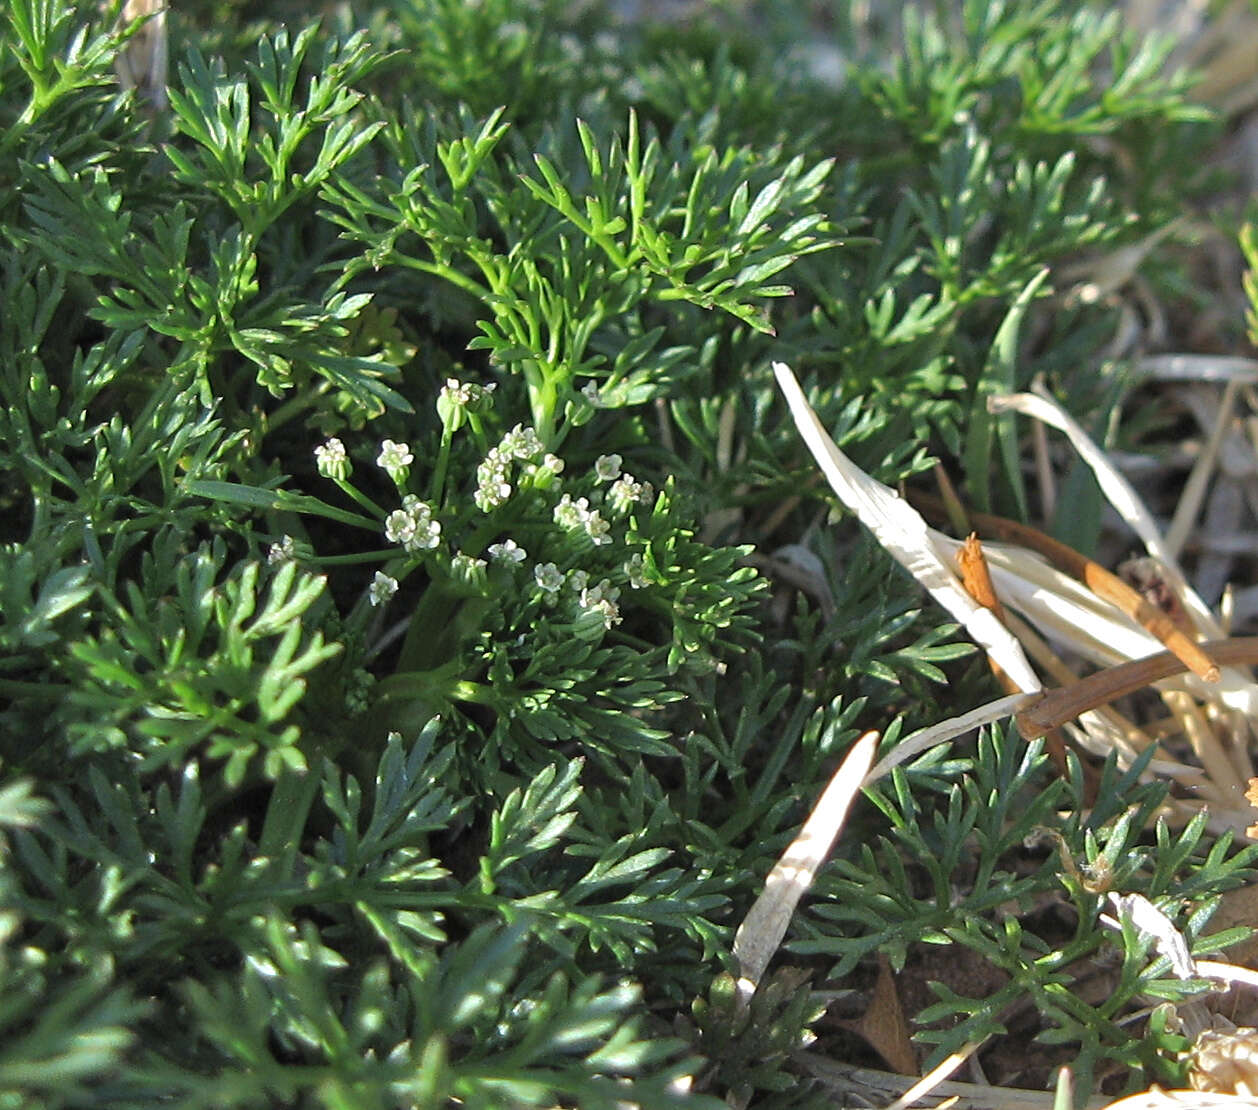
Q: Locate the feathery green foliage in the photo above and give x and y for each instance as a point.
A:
(392, 710)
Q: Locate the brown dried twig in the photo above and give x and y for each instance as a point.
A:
(1056, 707)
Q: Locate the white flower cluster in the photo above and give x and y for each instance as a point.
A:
(413, 525)
(548, 577)
(602, 599)
(283, 550)
(493, 475)
(635, 571)
(507, 552)
(457, 399)
(599, 599)
(462, 394)
(578, 514)
(493, 481)
(607, 467)
(521, 443)
(466, 566)
(625, 490)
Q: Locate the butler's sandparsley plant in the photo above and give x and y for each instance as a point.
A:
(399, 702)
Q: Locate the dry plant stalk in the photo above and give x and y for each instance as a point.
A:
(765, 925)
(977, 579)
(142, 63)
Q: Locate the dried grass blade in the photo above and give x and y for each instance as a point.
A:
(943, 731)
(1116, 489)
(902, 531)
(1101, 582)
(1189, 507)
(765, 925)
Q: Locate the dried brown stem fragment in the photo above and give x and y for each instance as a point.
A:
(1057, 707)
(977, 580)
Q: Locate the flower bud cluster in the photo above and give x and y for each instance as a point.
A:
(333, 460)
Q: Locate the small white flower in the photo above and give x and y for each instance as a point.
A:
(591, 394)
(381, 589)
(520, 443)
(548, 577)
(282, 551)
(635, 571)
(413, 525)
(507, 552)
(553, 463)
(489, 495)
(332, 459)
(331, 451)
(607, 467)
(399, 526)
(592, 602)
(467, 568)
(597, 528)
(394, 458)
(456, 399)
(426, 536)
(578, 579)
(456, 392)
(611, 614)
(572, 514)
(627, 491)
(594, 595)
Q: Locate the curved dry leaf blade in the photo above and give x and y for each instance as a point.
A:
(1117, 490)
(943, 731)
(765, 925)
(905, 535)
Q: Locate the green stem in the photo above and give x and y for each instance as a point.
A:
(362, 499)
(448, 273)
(435, 685)
(286, 816)
(425, 684)
(425, 637)
(542, 398)
(380, 555)
(437, 485)
(478, 431)
(43, 691)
